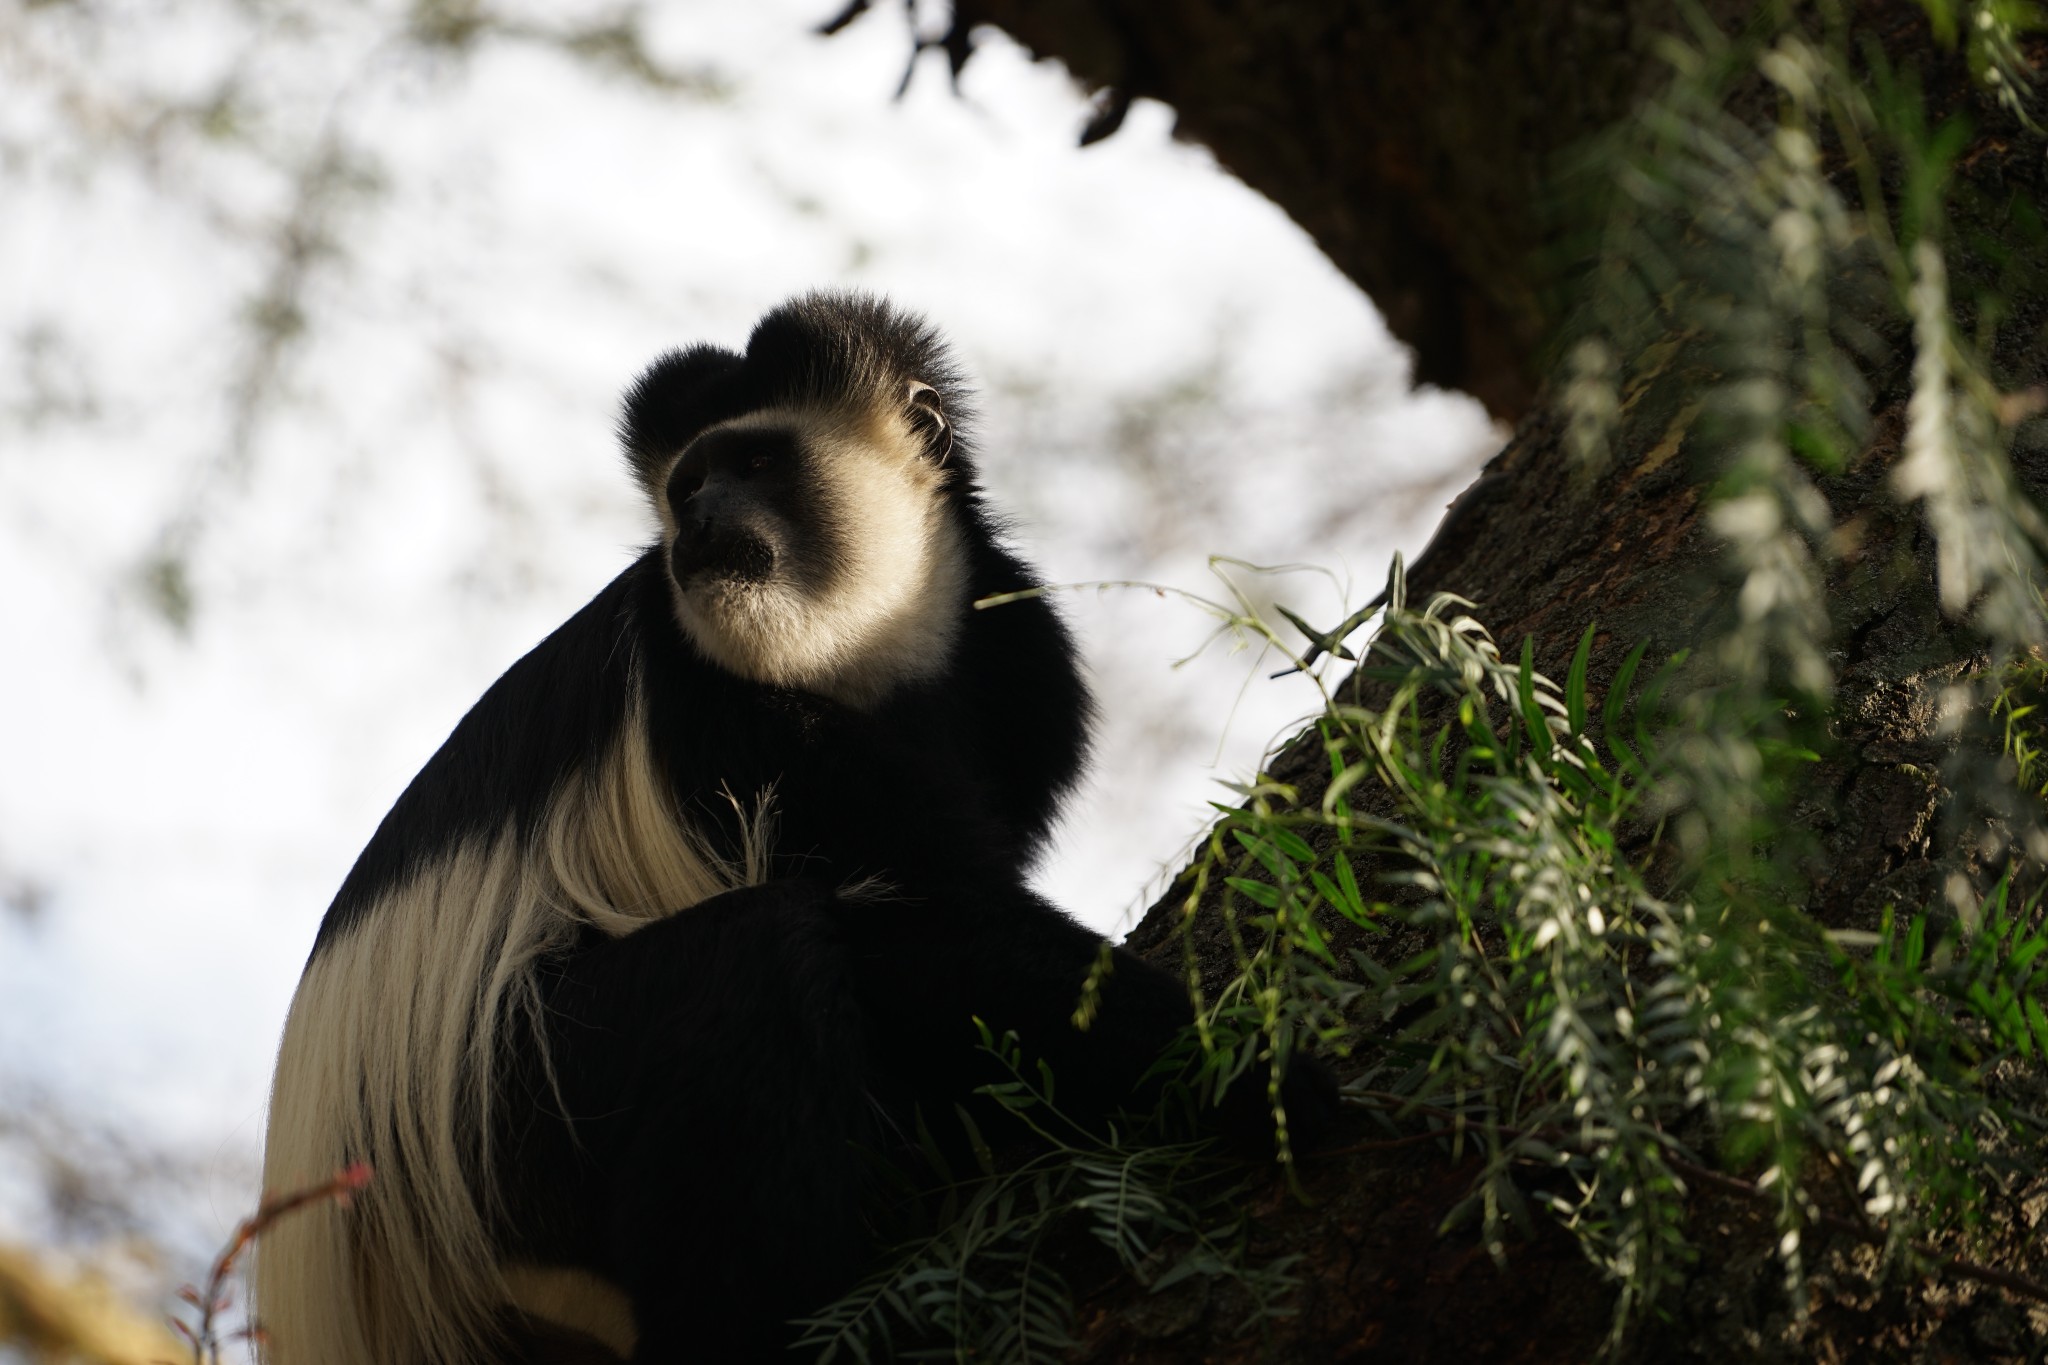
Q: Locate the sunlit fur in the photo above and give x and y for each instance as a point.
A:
(388, 1058)
(575, 1300)
(888, 617)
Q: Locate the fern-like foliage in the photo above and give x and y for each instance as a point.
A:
(1605, 1048)
(986, 1285)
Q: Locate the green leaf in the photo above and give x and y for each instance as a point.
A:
(1292, 844)
(2016, 962)
(1532, 712)
(1941, 17)
(1312, 939)
(1617, 700)
(2027, 1026)
(1346, 904)
(1575, 683)
(1260, 893)
(2037, 1021)
(1263, 849)
(1349, 882)
(984, 1155)
(1346, 778)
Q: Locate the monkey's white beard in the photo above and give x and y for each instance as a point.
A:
(890, 615)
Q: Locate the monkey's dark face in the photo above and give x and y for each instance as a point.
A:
(741, 499)
(815, 547)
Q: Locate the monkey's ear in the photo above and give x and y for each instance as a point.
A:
(928, 419)
(676, 397)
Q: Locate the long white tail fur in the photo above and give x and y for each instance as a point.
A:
(388, 1054)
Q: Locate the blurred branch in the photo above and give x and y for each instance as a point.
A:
(616, 43)
(238, 137)
(275, 322)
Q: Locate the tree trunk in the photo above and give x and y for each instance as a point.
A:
(1417, 141)
(1414, 141)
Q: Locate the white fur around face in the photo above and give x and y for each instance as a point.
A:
(892, 612)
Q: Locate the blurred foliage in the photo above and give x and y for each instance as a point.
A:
(87, 1202)
(261, 142)
(49, 1315)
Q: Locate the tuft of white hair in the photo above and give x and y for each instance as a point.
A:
(390, 1052)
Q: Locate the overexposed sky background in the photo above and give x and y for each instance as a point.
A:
(1169, 367)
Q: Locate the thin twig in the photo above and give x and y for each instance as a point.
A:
(204, 1338)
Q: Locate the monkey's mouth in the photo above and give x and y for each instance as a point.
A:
(734, 556)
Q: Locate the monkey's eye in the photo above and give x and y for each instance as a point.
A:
(759, 461)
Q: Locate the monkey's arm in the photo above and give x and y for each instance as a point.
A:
(795, 976)
(924, 971)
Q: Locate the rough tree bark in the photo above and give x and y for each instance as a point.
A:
(1417, 140)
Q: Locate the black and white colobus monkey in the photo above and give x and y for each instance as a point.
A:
(701, 897)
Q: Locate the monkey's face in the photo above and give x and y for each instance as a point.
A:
(816, 548)
(738, 502)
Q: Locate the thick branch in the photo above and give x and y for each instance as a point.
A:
(1418, 141)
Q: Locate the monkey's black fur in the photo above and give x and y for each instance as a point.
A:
(718, 1074)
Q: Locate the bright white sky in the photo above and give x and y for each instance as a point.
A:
(1171, 370)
